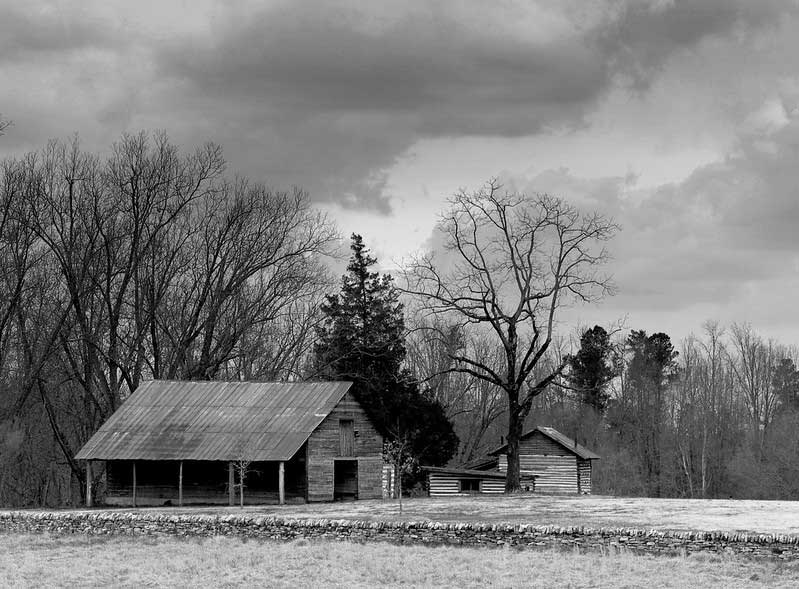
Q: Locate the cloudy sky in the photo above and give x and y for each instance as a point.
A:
(679, 119)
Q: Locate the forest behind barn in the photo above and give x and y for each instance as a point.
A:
(149, 262)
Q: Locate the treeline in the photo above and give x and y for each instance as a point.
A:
(152, 263)
(148, 263)
(716, 415)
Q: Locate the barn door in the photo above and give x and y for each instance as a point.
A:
(346, 429)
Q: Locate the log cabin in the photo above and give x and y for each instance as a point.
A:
(560, 465)
(179, 443)
(549, 461)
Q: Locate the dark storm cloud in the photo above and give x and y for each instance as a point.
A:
(451, 79)
(362, 87)
(34, 32)
(453, 76)
(329, 96)
(643, 35)
(341, 101)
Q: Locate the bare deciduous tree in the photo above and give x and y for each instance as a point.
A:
(473, 405)
(753, 365)
(145, 264)
(516, 261)
(256, 254)
(242, 469)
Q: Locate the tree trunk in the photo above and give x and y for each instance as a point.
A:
(515, 425)
(704, 462)
(399, 486)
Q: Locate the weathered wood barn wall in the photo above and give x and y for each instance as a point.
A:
(559, 464)
(345, 442)
(187, 442)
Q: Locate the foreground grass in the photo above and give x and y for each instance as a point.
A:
(66, 561)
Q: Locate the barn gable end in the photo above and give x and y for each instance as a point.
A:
(344, 437)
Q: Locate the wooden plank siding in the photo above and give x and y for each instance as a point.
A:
(370, 477)
(492, 486)
(324, 446)
(555, 474)
(584, 476)
(539, 444)
(346, 429)
(446, 485)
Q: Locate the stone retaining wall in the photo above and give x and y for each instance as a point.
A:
(426, 533)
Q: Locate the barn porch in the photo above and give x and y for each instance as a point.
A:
(139, 483)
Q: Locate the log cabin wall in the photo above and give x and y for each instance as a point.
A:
(330, 441)
(446, 485)
(555, 474)
(584, 475)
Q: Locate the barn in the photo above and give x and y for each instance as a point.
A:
(178, 443)
(560, 464)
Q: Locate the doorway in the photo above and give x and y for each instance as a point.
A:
(345, 480)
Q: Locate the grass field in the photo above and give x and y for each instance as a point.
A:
(49, 561)
(779, 517)
(34, 561)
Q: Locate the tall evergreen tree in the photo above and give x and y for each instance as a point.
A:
(651, 366)
(592, 368)
(363, 340)
(786, 384)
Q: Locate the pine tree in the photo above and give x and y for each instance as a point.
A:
(786, 384)
(592, 368)
(363, 335)
(363, 340)
(652, 365)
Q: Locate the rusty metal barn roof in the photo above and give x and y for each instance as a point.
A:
(208, 420)
(558, 437)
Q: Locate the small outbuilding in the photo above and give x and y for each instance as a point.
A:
(446, 482)
(176, 442)
(549, 463)
(560, 464)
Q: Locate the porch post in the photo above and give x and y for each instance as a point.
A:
(180, 485)
(134, 483)
(89, 501)
(281, 482)
(231, 484)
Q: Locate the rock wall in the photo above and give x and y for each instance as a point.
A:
(427, 533)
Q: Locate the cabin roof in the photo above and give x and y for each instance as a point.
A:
(466, 472)
(210, 420)
(482, 463)
(471, 473)
(558, 437)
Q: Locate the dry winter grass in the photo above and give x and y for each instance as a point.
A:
(779, 517)
(50, 561)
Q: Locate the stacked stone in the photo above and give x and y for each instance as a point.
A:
(529, 536)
